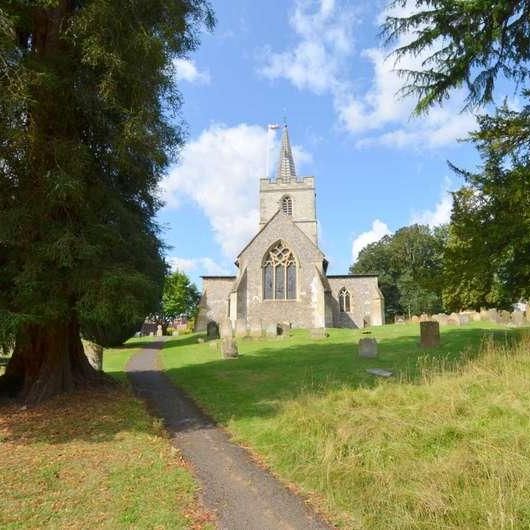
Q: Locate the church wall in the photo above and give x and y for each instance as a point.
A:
(213, 304)
(307, 310)
(367, 305)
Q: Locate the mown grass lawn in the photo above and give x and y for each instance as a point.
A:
(92, 460)
(444, 444)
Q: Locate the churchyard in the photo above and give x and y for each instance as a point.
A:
(92, 460)
(443, 443)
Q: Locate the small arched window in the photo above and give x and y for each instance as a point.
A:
(279, 273)
(287, 205)
(344, 300)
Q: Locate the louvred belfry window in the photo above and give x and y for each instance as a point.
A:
(279, 273)
(287, 205)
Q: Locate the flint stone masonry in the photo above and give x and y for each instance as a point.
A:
(430, 334)
(367, 347)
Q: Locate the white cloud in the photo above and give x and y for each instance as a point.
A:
(203, 266)
(220, 172)
(378, 230)
(325, 42)
(441, 212)
(185, 70)
(321, 62)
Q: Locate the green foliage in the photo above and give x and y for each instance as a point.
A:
(409, 264)
(180, 296)
(465, 43)
(89, 123)
(488, 254)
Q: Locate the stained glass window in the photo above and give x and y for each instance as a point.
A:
(291, 281)
(267, 282)
(344, 301)
(279, 273)
(279, 282)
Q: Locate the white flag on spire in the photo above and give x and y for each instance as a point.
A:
(273, 126)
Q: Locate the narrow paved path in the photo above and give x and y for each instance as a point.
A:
(241, 494)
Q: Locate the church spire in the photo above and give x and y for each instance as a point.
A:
(286, 171)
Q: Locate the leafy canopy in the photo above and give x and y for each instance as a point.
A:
(180, 296)
(89, 122)
(409, 265)
(471, 43)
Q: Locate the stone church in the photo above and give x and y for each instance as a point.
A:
(281, 276)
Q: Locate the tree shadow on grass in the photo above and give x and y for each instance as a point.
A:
(269, 372)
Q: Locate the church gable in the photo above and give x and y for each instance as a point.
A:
(280, 227)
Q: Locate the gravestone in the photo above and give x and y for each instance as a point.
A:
(424, 317)
(94, 353)
(430, 334)
(255, 328)
(367, 347)
(151, 334)
(229, 348)
(379, 372)
(318, 333)
(271, 330)
(200, 340)
(415, 319)
(212, 330)
(518, 318)
(159, 332)
(505, 317)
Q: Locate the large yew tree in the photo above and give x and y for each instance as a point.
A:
(87, 114)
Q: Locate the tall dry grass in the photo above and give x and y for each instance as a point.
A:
(450, 449)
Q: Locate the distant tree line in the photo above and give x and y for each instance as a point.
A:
(482, 258)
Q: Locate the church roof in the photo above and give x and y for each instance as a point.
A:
(286, 170)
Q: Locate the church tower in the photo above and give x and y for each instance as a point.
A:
(295, 196)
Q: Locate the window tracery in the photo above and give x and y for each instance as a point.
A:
(344, 301)
(287, 205)
(279, 273)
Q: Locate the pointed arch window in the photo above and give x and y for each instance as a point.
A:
(279, 273)
(344, 301)
(287, 205)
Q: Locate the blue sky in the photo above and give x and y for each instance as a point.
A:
(320, 64)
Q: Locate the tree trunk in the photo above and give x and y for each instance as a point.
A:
(48, 360)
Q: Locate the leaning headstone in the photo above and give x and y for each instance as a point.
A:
(367, 347)
(151, 334)
(94, 353)
(518, 318)
(159, 332)
(430, 334)
(271, 330)
(505, 317)
(229, 348)
(318, 333)
(212, 330)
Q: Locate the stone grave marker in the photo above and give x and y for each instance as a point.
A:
(229, 348)
(367, 347)
(159, 332)
(430, 334)
(318, 333)
(271, 330)
(379, 372)
(94, 353)
(212, 330)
